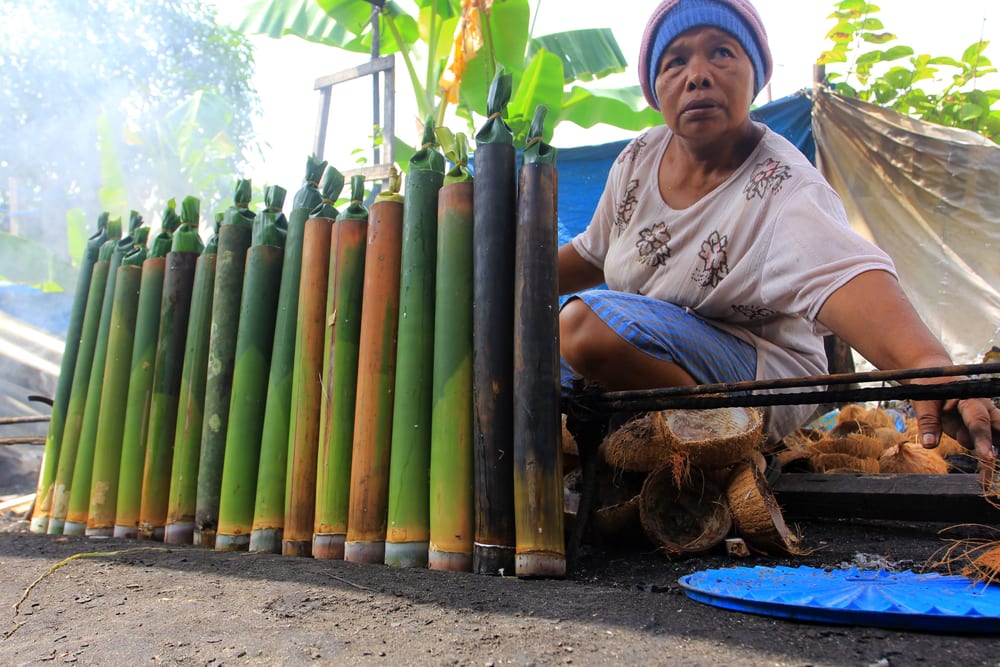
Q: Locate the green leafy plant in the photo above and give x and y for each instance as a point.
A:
(937, 89)
(451, 49)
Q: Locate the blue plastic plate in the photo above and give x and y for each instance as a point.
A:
(875, 598)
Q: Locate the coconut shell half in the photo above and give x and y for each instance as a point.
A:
(756, 513)
(683, 519)
(709, 438)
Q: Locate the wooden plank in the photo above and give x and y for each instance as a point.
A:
(951, 498)
(379, 64)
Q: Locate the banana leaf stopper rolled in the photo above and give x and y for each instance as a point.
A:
(239, 212)
(537, 151)
(333, 185)
(270, 227)
(212, 245)
(456, 149)
(391, 193)
(495, 130)
(356, 209)
(186, 237)
(308, 196)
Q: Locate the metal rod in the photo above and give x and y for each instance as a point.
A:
(812, 381)
(23, 440)
(34, 419)
(646, 401)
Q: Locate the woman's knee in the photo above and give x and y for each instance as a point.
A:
(581, 333)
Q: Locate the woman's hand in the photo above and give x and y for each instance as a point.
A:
(974, 422)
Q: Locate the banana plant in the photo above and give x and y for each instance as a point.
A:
(452, 48)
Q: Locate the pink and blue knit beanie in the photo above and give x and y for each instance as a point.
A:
(672, 17)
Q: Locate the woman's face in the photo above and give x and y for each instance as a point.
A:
(704, 84)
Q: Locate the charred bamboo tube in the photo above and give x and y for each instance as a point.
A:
(78, 396)
(452, 528)
(538, 477)
(376, 377)
(269, 504)
(408, 529)
(300, 495)
(140, 384)
(175, 310)
(74, 339)
(344, 305)
(181, 502)
(254, 343)
(234, 241)
(114, 396)
(79, 495)
(493, 351)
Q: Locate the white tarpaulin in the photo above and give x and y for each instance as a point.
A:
(930, 197)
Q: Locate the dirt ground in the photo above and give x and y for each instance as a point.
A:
(129, 603)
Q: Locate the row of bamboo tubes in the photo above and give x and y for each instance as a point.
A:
(368, 385)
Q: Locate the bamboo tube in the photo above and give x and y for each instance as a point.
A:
(178, 283)
(493, 352)
(78, 501)
(181, 501)
(103, 495)
(376, 376)
(344, 305)
(74, 339)
(81, 380)
(538, 476)
(269, 504)
(452, 528)
(307, 386)
(408, 529)
(140, 383)
(234, 241)
(254, 342)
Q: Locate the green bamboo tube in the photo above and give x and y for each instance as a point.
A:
(64, 385)
(538, 475)
(452, 528)
(179, 528)
(493, 353)
(303, 435)
(344, 302)
(375, 312)
(140, 385)
(254, 343)
(269, 505)
(114, 396)
(178, 283)
(235, 236)
(79, 496)
(408, 529)
(76, 409)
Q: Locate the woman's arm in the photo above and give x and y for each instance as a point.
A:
(576, 273)
(872, 314)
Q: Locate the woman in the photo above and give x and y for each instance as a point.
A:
(726, 254)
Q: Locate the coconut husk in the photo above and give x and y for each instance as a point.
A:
(852, 412)
(986, 566)
(619, 522)
(889, 436)
(683, 518)
(853, 444)
(710, 438)
(843, 463)
(756, 514)
(879, 418)
(910, 458)
(850, 426)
